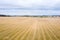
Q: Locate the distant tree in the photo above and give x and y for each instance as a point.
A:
(1, 15)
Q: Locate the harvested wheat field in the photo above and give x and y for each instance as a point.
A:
(29, 28)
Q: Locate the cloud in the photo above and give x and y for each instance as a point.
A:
(30, 7)
(34, 4)
(30, 12)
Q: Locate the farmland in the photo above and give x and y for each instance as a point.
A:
(29, 28)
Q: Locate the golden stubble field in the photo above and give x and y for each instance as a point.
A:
(29, 28)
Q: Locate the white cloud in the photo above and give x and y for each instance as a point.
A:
(30, 12)
(31, 3)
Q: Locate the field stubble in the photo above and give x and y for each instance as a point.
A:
(29, 28)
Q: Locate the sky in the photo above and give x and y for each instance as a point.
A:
(30, 7)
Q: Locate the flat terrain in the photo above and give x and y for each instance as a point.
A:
(29, 28)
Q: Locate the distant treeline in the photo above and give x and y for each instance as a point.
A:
(29, 16)
(4, 15)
